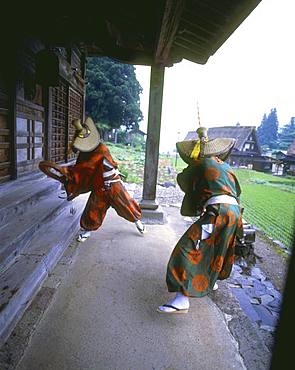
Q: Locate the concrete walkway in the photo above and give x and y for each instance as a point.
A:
(103, 315)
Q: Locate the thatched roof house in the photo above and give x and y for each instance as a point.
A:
(246, 137)
(287, 159)
(246, 152)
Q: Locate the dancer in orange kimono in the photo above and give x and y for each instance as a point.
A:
(97, 172)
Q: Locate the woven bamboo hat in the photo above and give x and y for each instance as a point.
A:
(86, 136)
(192, 150)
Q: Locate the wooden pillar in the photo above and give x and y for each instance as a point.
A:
(12, 81)
(12, 125)
(48, 122)
(153, 138)
(83, 69)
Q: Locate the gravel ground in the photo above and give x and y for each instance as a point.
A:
(171, 195)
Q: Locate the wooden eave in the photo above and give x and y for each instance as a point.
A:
(205, 25)
(185, 29)
(144, 32)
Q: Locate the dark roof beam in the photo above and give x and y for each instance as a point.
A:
(239, 13)
(123, 55)
(210, 9)
(170, 23)
(194, 36)
(184, 47)
(188, 53)
(125, 40)
(185, 41)
(202, 24)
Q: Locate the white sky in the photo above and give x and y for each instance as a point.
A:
(252, 72)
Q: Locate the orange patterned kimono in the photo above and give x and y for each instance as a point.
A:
(87, 175)
(205, 252)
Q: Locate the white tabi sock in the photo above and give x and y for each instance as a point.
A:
(83, 235)
(86, 233)
(140, 227)
(180, 301)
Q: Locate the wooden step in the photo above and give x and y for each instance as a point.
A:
(16, 234)
(21, 195)
(20, 282)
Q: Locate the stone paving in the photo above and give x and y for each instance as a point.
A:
(257, 296)
(258, 299)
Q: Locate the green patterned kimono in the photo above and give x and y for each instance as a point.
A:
(205, 252)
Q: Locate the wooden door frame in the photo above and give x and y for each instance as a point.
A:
(12, 125)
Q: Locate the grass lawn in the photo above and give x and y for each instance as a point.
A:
(269, 203)
(130, 161)
(131, 164)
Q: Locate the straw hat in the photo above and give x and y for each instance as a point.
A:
(87, 136)
(193, 150)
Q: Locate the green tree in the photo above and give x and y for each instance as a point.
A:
(267, 132)
(287, 134)
(112, 94)
(261, 128)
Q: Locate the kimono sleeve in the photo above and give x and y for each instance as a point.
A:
(186, 179)
(189, 182)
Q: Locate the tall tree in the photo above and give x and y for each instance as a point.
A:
(112, 94)
(287, 134)
(261, 129)
(267, 132)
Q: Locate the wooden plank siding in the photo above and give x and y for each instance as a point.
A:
(5, 141)
(75, 112)
(37, 125)
(59, 118)
(76, 61)
(67, 104)
(29, 135)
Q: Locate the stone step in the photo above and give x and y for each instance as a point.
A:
(22, 194)
(15, 235)
(21, 281)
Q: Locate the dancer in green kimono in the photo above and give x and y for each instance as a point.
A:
(205, 252)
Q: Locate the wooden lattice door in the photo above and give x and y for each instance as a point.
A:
(5, 132)
(59, 139)
(75, 112)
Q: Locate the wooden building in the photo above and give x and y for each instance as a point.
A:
(246, 152)
(134, 136)
(42, 88)
(157, 33)
(35, 114)
(286, 160)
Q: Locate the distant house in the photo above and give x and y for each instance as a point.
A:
(246, 152)
(286, 159)
(135, 136)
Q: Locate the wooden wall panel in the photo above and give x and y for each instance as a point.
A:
(75, 112)
(76, 60)
(5, 140)
(29, 136)
(59, 112)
